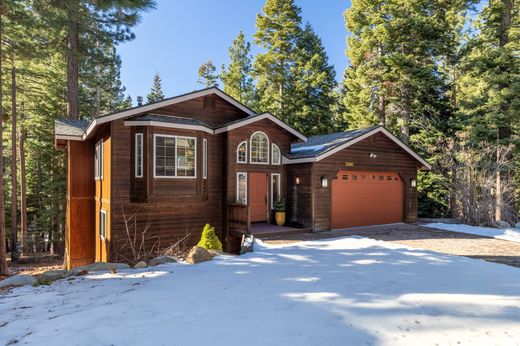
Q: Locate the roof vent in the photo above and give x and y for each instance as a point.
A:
(139, 100)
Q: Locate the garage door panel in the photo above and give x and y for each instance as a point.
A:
(366, 198)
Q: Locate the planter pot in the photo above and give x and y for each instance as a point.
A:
(279, 216)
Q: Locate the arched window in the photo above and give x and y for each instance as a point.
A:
(259, 148)
(242, 152)
(276, 156)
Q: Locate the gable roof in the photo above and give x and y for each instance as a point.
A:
(319, 147)
(143, 115)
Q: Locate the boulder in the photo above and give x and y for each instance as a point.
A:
(140, 265)
(161, 260)
(18, 280)
(101, 266)
(215, 253)
(198, 254)
(502, 224)
(53, 275)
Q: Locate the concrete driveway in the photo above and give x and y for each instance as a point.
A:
(417, 236)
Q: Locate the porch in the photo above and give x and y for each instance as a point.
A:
(239, 221)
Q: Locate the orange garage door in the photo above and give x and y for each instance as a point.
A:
(366, 198)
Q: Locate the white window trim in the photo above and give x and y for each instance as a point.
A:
(204, 158)
(98, 162)
(238, 147)
(104, 212)
(279, 187)
(279, 155)
(238, 186)
(139, 135)
(251, 148)
(173, 176)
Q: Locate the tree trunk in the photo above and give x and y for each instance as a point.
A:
(72, 60)
(14, 193)
(405, 126)
(3, 252)
(381, 110)
(504, 197)
(23, 188)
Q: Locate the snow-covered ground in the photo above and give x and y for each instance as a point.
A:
(511, 234)
(347, 291)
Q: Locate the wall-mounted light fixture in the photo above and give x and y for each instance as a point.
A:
(324, 182)
(372, 155)
(298, 181)
(413, 182)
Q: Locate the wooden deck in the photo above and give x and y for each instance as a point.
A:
(267, 231)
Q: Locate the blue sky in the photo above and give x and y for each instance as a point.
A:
(179, 35)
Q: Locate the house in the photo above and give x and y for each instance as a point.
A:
(148, 176)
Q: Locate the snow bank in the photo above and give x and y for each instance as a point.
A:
(511, 234)
(347, 291)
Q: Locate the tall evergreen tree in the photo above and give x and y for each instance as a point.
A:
(237, 78)
(156, 93)
(207, 76)
(278, 31)
(314, 84)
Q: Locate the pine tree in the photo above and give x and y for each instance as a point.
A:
(237, 78)
(207, 76)
(156, 93)
(314, 84)
(278, 31)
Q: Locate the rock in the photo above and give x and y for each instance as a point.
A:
(140, 265)
(53, 275)
(502, 224)
(161, 260)
(198, 254)
(102, 266)
(18, 280)
(215, 253)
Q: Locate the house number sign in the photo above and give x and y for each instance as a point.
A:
(349, 164)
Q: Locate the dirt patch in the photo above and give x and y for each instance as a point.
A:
(417, 236)
(29, 267)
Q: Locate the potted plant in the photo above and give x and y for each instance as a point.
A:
(279, 212)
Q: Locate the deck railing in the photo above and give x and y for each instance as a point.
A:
(239, 218)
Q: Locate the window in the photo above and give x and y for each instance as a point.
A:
(98, 161)
(275, 155)
(242, 188)
(138, 155)
(259, 148)
(205, 158)
(275, 188)
(174, 156)
(242, 152)
(103, 224)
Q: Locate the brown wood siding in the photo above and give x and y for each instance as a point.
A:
(276, 135)
(102, 196)
(80, 226)
(390, 158)
(210, 109)
(174, 207)
(299, 197)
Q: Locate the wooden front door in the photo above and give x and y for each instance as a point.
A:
(366, 198)
(258, 196)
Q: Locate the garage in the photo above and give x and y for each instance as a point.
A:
(362, 198)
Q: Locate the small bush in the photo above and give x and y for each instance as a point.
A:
(209, 239)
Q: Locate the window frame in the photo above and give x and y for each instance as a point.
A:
(279, 187)
(174, 176)
(279, 155)
(251, 148)
(98, 160)
(103, 225)
(238, 187)
(140, 152)
(204, 158)
(238, 147)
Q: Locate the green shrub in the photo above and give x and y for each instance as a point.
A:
(209, 239)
